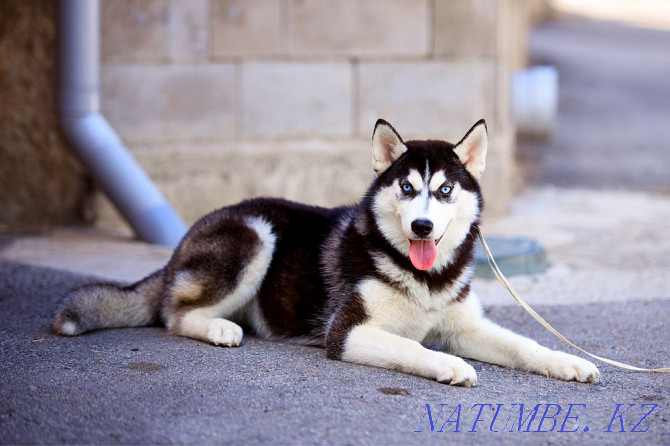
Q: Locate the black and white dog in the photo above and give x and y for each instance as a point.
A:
(368, 282)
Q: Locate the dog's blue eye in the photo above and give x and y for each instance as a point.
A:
(407, 187)
(444, 190)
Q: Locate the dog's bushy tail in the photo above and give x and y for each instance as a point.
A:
(107, 305)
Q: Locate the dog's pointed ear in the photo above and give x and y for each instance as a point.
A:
(471, 150)
(387, 146)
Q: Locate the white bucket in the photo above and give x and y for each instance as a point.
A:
(535, 100)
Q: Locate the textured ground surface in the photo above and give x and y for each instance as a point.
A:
(139, 386)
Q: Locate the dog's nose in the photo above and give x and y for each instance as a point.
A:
(422, 227)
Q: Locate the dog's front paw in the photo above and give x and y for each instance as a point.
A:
(569, 368)
(224, 332)
(454, 371)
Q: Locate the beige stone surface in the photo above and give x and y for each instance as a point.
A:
(243, 28)
(599, 250)
(197, 182)
(499, 182)
(109, 255)
(515, 21)
(375, 28)
(440, 99)
(197, 179)
(281, 72)
(297, 99)
(466, 28)
(174, 103)
(189, 25)
(513, 24)
(135, 31)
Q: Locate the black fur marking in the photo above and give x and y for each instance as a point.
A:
(349, 315)
(440, 156)
(293, 293)
(463, 258)
(464, 293)
(212, 253)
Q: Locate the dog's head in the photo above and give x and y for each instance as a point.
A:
(427, 194)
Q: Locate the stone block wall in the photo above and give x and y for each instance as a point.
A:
(225, 99)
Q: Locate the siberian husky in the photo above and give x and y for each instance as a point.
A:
(368, 282)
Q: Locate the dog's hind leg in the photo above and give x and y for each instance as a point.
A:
(216, 274)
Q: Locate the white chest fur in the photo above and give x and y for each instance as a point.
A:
(409, 309)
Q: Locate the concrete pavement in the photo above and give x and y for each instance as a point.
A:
(143, 386)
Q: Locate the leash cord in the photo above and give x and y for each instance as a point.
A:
(502, 279)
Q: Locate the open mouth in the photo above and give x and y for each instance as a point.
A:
(422, 253)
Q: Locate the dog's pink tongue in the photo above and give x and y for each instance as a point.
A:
(422, 253)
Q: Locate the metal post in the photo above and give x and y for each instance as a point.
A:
(93, 138)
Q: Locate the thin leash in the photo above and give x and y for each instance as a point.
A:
(501, 278)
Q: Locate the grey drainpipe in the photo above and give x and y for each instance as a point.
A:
(92, 137)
